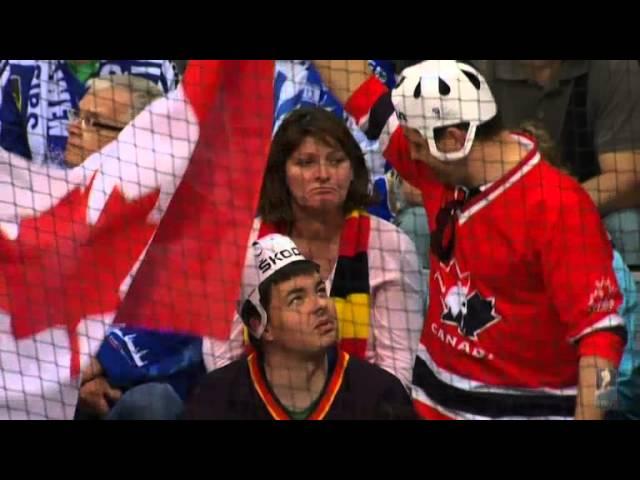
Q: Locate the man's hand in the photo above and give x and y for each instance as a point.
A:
(93, 370)
(616, 188)
(95, 394)
(597, 377)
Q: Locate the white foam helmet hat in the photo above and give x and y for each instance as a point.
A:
(442, 93)
(272, 253)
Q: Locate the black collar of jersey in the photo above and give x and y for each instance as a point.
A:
(337, 361)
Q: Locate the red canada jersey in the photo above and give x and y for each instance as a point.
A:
(519, 273)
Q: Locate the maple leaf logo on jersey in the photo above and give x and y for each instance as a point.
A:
(471, 312)
(602, 299)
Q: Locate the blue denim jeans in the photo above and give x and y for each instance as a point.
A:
(149, 401)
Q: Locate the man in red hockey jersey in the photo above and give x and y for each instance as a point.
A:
(522, 319)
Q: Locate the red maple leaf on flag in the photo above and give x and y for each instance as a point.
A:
(61, 268)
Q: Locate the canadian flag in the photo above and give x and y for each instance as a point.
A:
(152, 228)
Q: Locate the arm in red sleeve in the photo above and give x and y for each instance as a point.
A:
(371, 107)
(607, 344)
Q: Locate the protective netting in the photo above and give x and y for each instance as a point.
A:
(343, 239)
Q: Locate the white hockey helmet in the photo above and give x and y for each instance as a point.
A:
(272, 253)
(442, 93)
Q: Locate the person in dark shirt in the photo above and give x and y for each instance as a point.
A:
(293, 370)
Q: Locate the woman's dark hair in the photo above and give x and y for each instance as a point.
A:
(275, 198)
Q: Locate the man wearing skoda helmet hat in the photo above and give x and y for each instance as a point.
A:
(523, 316)
(294, 370)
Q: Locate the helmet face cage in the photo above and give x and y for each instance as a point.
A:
(442, 93)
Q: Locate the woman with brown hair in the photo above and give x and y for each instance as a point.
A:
(315, 190)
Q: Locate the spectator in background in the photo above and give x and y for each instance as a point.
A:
(109, 104)
(137, 374)
(315, 188)
(411, 218)
(294, 371)
(37, 97)
(400, 203)
(591, 109)
(624, 402)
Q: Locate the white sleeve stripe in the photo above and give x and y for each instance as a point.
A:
(610, 321)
